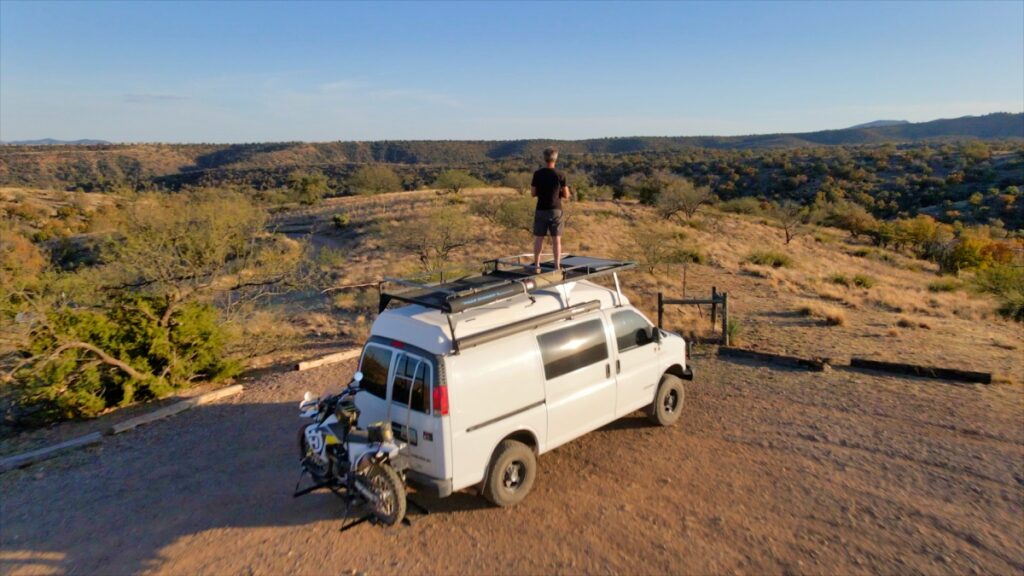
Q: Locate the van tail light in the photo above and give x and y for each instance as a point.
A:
(441, 400)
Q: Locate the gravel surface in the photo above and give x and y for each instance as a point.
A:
(770, 471)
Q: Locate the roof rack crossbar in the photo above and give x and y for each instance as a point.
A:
(499, 284)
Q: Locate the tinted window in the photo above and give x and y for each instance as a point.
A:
(572, 348)
(631, 330)
(376, 361)
(412, 373)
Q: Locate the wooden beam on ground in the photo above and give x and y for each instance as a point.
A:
(173, 409)
(924, 371)
(814, 364)
(329, 359)
(27, 458)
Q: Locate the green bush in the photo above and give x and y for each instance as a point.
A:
(341, 220)
(769, 258)
(1005, 282)
(863, 281)
(92, 360)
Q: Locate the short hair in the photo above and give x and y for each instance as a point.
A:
(550, 154)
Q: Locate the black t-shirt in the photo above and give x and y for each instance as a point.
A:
(549, 183)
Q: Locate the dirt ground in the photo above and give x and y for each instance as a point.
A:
(770, 471)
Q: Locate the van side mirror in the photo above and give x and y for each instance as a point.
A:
(656, 334)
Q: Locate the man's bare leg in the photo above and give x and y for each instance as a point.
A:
(538, 243)
(556, 243)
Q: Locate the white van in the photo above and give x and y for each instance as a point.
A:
(481, 375)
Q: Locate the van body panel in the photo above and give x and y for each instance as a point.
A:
(583, 399)
(493, 392)
(637, 361)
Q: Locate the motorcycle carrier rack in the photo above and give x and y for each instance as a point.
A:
(502, 278)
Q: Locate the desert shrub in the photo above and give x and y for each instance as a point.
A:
(433, 236)
(455, 181)
(744, 205)
(341, 220)
(514, 214)
(657, 245)
(769, 258)
(307, 187)
(680, 196)
(863, 281)
(1005, 282)
(519, 181)
(944, 285)
(86, 361)
(830, 315)
(735, 331)
(1011, 306)
(374, 179)
(840, 279)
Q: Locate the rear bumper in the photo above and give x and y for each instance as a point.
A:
(429, 484)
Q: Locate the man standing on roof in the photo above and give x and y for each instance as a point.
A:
(549, 188)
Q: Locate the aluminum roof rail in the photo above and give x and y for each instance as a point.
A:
(503, 278)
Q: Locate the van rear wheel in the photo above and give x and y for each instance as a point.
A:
(511, 474)
(668, 402)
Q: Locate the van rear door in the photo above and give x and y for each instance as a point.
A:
(398, 387)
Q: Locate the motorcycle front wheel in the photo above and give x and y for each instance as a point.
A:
(319, 471)
(388, 489)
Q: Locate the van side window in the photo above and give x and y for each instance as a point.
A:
(412, 373)
(631, 330)
(572, 348)
(376, 361)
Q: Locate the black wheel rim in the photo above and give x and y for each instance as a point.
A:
(514, 475)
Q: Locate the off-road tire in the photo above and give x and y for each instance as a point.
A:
(383, 478)
(511, 473)
(668, 401)
(318, 476)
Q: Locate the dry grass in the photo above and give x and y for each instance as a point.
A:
(831, 315)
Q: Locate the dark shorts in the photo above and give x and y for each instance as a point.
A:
(547, 223)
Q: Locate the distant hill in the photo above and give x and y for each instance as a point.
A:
(99, 165)
(879, 124)
(52, 142)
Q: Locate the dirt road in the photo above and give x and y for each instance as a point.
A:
(770, 471)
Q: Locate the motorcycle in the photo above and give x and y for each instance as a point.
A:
(363, 467)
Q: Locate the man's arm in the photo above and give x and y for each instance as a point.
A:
(565, 192)
(533, 191)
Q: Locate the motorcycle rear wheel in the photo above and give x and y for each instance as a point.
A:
(382, 480)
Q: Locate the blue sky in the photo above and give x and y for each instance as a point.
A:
(320, 71)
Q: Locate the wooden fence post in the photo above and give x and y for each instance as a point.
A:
(725, 318)
(661, 309)
(714, 306)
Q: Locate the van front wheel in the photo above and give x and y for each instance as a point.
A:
(511, 474)
(668, 402)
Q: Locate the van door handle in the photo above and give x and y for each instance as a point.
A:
(618, 367)
(607, 370)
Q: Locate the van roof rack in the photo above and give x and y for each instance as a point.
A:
(502, 278)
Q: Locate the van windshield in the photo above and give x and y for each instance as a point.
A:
(376, 362)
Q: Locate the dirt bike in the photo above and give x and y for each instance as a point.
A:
(360, 466)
